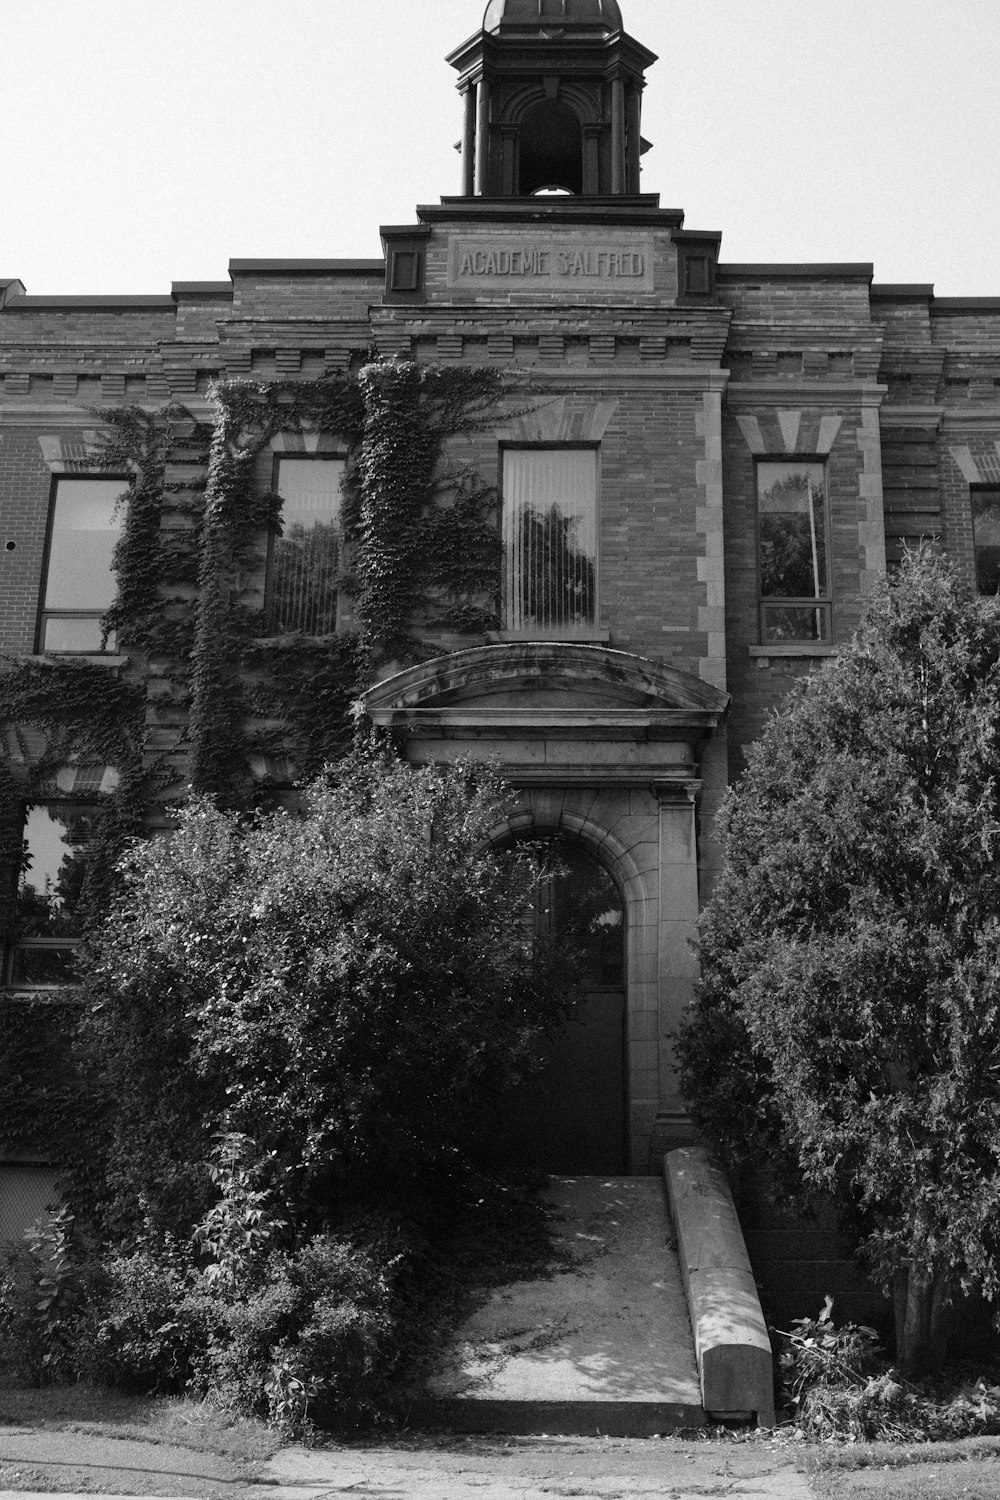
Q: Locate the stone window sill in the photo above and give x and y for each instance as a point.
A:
(793, 648)
(89, 658)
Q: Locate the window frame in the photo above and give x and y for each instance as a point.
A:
(974, 490)
(13, 944)
(110, 647)
(589, 632)
(820, 603)
(342, 613)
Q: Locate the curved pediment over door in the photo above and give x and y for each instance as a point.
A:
(552, 712)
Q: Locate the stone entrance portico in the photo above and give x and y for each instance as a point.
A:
(603, 747)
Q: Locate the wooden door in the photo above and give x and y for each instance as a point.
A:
(570, 1118)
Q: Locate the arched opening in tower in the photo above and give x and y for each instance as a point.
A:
(551, 149)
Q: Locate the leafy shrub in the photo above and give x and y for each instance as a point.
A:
(261, 1329)
(349, 988)
(320, 1329)
(292, 1023)
(39, 1302)
(140, 1329)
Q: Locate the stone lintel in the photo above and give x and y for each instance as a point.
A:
(972, 419)
(751, 395)
(929, 417)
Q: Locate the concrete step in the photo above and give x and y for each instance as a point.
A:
(603, 1346)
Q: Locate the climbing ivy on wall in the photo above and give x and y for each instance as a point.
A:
(420, 561)
(155, 558)
(189, 620)
(422, 537)
(237, 517)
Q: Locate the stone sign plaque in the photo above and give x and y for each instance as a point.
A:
(551, 263)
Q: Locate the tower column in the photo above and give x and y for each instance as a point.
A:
(482, 137)
(617, 136)
(634, 141)
(508, 159)
(592, 158)
(469, 143)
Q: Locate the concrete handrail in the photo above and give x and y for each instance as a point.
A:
(733, 1351)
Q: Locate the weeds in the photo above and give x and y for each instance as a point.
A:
(840, 1385)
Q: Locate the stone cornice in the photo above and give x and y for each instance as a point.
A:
(792, 271)
(138, 304)
(551, 316)
(54, 346)
(68, 414)
(783, 332)
(615, 378)
(296, 268)
(624, 724)
(642, 212)
(685, 788)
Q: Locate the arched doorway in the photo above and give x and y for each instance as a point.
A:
(571, 1117)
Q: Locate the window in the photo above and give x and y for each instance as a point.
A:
(47, 911)
(793, 552)
(304, 571)
(986, 539)
(79, 583)
(550, 540)
(578, 903)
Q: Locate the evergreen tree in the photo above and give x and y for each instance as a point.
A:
(848, 1021)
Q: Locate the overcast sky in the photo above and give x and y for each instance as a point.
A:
(144, 142)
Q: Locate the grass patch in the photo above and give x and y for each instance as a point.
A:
(198, 1425)
(895, 1456)
(968, 1468)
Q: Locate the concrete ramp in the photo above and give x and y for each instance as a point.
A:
(602, 1346)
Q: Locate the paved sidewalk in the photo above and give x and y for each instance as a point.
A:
(537, 1468)
(64, 1462)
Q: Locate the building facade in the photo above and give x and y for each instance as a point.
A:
(702, 469)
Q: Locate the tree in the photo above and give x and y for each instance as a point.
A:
(848, 1020)
(349, 988)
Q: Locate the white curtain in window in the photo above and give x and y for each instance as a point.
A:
(550, 538)
(305, 563)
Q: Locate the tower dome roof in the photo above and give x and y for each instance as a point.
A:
(603, 13)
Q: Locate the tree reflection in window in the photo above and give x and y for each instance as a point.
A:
(555, 584)
(48, 908)
(792, 549)
(305, 564)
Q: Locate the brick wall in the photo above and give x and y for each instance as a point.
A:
(25, 484)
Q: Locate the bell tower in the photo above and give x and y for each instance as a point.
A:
(553, 95)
